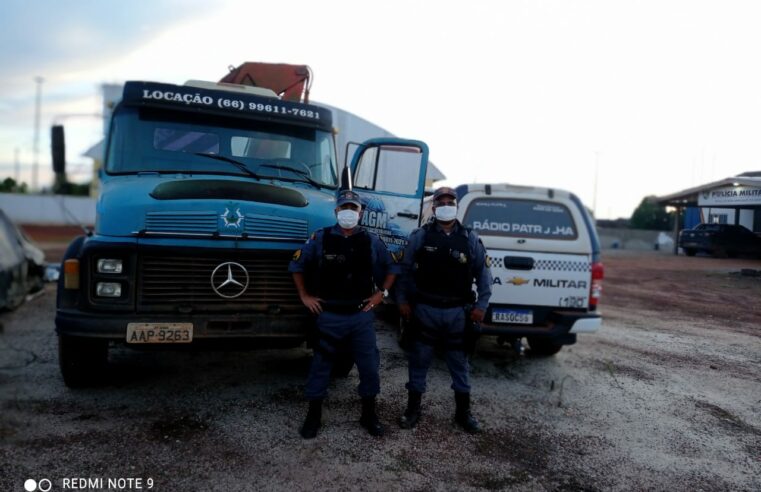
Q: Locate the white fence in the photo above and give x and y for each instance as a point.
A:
(48, 209)
(636, 239)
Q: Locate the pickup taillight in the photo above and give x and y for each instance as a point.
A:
(596, 289)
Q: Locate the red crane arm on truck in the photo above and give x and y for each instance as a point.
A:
(290, 82)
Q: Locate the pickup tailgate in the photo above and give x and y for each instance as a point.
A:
(540, 279)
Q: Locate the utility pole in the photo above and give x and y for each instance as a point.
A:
(36, 149)
(16, 166)
(594, 199)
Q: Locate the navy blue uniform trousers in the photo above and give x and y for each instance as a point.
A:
(355, 331)
(448, 326)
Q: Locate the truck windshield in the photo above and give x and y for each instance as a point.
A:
(151, 140)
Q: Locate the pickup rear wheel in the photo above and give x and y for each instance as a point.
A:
(690, 251)
(543, 346)
(82, 360)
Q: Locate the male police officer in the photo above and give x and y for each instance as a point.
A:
(440, 263)
(336, 274)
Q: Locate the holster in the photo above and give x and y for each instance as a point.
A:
(472, 333)
(410, 332)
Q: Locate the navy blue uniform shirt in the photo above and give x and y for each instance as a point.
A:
(312, 249)
(476, 250)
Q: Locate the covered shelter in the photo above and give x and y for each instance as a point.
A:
(733, 200)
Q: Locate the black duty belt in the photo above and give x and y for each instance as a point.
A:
(440, 302)
(343, 307)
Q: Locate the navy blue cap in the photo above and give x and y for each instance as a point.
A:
(444, 191)
(348, 196)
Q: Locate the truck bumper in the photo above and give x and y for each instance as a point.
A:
(560, 325)
(207, 326)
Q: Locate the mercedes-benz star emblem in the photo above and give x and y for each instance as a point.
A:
(229, 280)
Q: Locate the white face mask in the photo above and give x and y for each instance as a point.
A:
(348, 219)
(446, 213)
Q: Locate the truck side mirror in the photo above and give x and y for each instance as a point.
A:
(346, 183)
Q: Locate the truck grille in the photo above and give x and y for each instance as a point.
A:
(209, 223)
(276, 227)
(181, 222)
(168, 283)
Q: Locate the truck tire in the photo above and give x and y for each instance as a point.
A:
(690, 251)
(82, 360)
(543, 346)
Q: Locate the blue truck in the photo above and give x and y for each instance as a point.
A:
(207, 189)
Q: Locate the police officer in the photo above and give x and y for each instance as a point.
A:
(439, 266)
(341, 274)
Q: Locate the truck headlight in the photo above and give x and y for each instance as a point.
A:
(108, 289)
(109, 266)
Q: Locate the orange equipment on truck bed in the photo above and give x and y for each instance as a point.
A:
(290, 82)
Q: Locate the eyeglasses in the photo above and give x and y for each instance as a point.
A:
(445, 203)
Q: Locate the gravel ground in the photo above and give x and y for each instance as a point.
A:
(667, 396)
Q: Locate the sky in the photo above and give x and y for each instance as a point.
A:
(612, 100)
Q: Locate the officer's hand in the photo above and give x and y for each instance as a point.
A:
(477, 315)
(405, 311)
(373, 301)
(312, 303)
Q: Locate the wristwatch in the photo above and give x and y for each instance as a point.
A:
(385, 293)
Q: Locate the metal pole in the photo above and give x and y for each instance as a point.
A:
(36, 148)
(676, 229)
(16, 167)
(594, 199)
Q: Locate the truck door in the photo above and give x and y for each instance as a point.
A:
(389, 174)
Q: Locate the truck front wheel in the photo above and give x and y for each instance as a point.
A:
(543, 346)
(82, 360)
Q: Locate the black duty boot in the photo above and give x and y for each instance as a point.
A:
(409, 419)
(462, 416)
(369, 420)
(313, 421)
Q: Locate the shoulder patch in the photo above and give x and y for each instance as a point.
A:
(296, 255)
(398, 256)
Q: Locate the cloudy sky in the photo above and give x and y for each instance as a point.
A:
(662, 95)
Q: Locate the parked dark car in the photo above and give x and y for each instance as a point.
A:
(22, 265)
(720, 240)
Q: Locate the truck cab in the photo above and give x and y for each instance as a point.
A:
(207, 190)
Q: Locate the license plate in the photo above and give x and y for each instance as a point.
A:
(517, 316)
(159, 332)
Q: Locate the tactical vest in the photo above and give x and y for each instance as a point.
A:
(443, 268)
(345, 270)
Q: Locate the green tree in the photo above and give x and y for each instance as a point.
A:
(9, 185)
(63, 187)
(650, 215)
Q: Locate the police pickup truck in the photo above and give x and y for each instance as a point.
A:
(544, 255)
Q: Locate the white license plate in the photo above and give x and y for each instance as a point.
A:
(159, 332)
(517, 316)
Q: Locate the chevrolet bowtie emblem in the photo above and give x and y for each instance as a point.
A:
(517, 281)
(229, 280)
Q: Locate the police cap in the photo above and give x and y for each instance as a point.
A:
(444, 191)
(348, 196)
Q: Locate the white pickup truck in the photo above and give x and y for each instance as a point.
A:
(544, 255)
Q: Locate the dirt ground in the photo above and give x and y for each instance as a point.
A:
(666, 396)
